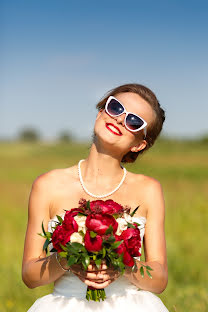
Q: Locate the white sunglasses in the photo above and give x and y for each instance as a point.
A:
(132, 121)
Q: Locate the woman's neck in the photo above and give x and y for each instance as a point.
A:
(100, 165)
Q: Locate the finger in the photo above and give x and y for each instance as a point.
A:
(92, 267)
(99, 276)
(97, 285)
(92, 283)
(109, 271)
(103, 266)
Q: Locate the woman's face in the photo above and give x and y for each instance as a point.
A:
(127, 140)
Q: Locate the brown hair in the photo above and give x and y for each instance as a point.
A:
(154, 129)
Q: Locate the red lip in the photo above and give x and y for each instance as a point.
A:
(109, 123)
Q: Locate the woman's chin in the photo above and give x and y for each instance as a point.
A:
(107, 139)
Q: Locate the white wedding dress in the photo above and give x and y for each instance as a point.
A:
(69, 293)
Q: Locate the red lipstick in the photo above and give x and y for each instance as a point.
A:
(107, 126)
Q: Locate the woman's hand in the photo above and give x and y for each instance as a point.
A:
(94, 277)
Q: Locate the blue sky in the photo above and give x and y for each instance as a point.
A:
(58, 58)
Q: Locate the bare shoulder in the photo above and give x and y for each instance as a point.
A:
(154, 198)
(150, 193)
(144, 181)
(54, 178)
(45, 188)
(151, 184)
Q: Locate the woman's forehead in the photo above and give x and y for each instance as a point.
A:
(136, 104)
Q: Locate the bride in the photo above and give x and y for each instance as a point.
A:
(128, 122)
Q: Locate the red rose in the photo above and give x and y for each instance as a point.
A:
(122, 247)
(73, 212)
(69, 224)
(107, 206)
(99, 223)
(60, 236)
(127, 258)
(93, 244)
(132, 241)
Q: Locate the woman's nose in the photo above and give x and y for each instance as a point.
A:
(120, 119)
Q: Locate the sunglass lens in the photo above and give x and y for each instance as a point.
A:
(115, 108)
(133, 122)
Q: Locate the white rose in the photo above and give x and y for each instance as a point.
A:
(122, 225)
(80, 220)
(127, 217)
(81, 223)
(76, 238)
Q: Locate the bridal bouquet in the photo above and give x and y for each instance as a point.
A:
(97, 230)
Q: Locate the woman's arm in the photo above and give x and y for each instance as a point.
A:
(154, 242)
(37, 269)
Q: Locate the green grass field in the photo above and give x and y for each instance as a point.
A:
(182, 169)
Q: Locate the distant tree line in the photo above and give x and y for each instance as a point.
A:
(32, 135)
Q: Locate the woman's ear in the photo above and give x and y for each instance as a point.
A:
(139, 147)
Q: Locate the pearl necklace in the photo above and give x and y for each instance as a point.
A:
(98, 196)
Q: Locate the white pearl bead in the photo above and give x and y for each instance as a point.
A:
(98, 196)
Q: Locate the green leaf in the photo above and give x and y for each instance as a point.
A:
(43, 229)
(45, 246)
(116, 244)
(84, 264)
(134, 211)
(115, 263)
(71, 260)
(121, 257)
(142, 271)
(148, 273)
(93, 234)
(59, 218)
(63, 254)
(48, 234)
(88, 205)
(87, 260)
(98, 262)
(71, 250)
(138, 224)
(130, 225)
(63, 247)
(78, 246)
(80, 214)
(104, 252)
(111, 239)
(109, 230)
(42, 235)
(113, 254)
(149, 268)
